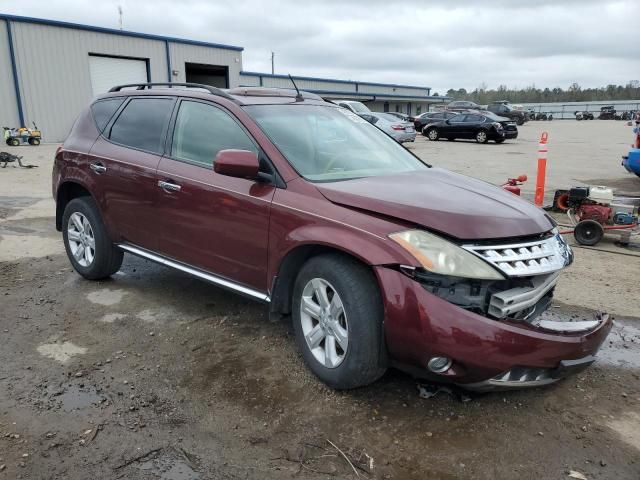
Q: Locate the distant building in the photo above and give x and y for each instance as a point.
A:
(49, 70)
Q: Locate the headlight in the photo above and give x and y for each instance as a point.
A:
(441, 256)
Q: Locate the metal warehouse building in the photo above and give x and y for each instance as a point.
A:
(50, 70)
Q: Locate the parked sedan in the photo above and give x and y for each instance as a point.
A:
(481, 127)
(431, 117)
(392, 126)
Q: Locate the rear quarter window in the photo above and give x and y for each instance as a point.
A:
(142, 124)
(103, 110)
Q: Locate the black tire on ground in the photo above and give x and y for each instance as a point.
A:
(433, 134)
(520, 121)
(14, 142)
(482, 136)
(107, 259)
(358, 289)
(34, 141)
(588, 232)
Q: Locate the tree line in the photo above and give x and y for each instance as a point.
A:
(532, 94)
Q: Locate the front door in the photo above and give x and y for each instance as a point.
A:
(213, 222)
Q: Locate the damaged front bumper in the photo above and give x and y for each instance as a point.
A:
(487, 352)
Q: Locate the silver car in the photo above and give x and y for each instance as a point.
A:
(392, 126)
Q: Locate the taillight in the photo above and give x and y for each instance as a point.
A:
(397, 127)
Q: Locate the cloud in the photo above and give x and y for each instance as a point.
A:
(442, 44)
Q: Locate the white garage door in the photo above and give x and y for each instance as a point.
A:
(107, 72)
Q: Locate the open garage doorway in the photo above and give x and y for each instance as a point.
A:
(214, 75)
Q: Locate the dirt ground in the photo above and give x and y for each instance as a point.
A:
(155, 375)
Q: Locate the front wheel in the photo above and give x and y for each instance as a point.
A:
(588, 232)
(14, 142)
(337, 318)
(34, 141)
(432, 134)
(520, 121)
(482, 137)
(89, 248)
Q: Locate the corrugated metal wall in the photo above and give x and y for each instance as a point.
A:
(54, 75)
(53, 68)
(182, 53)
(8, 106)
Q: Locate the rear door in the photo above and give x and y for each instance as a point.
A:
(124, 160)
(216, 223)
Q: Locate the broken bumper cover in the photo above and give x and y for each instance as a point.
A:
(484, 351)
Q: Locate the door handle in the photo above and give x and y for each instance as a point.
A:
(169, 186)
(98, 168)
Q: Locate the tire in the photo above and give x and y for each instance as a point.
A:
(433, 135)
(520, 121)
(14, 142)
(588, 232)
(482, 136)
(354, 361)
(34, 141)
(82, 219)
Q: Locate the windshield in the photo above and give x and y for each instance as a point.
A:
(328, 144)
(359, 107)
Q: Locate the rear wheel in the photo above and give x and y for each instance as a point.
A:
(588, 232)
(337, 318)
(89, 248)
(481, 136)
(520, 121)
(34, 141)
(14, 142)
(432, 134)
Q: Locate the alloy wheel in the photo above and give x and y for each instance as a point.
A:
(324, 323)
(81, 239)
(433, 134)
(481, 137)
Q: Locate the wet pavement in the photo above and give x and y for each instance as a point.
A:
(155, 375)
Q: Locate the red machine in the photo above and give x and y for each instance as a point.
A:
(513, 184)
(590, 210)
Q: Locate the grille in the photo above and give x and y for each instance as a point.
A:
(525, 259)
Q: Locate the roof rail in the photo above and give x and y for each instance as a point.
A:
(142, 86)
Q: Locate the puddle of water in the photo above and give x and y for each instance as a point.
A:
(170, 468)
(106, 296)
(112, 317)
(76, 398)
(61, 352)
(622, 347)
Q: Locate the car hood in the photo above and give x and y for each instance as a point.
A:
(442, 201)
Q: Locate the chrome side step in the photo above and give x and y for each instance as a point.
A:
(222, 282)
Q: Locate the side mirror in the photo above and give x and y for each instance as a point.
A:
(237, 163)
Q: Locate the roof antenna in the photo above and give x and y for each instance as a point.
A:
(120, 16)
(299, 97)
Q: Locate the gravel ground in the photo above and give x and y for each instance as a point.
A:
(155, 375)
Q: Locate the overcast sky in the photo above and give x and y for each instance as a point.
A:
(442, 44)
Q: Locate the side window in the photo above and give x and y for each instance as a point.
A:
(142, 124)
(458, 119)
(437, 116)
(103, 110)
(203, 130)
(474, 118)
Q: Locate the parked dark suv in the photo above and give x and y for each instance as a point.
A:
(505, 109)
(380, 259)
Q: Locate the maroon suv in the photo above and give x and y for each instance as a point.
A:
(380, 259)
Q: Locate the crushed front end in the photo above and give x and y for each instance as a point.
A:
(487, 334)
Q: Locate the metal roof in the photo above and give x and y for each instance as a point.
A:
(113, 31)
